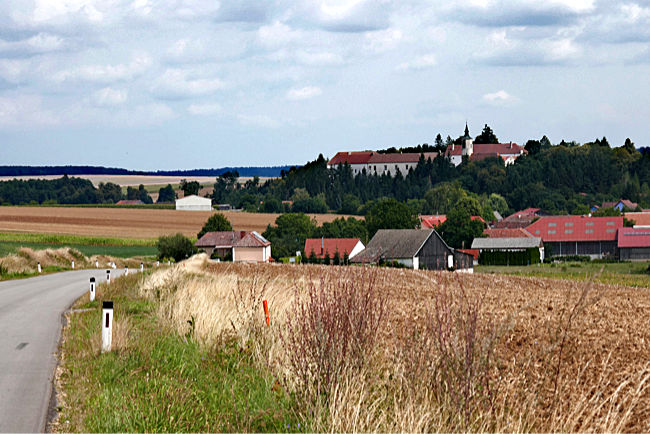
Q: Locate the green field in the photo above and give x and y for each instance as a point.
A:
(617, 273)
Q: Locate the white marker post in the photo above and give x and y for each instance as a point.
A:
(450, 261)
(108, 276)
(169, 262)
(141, 267)
(39, 267)
(92, 289)
(157, 263)
(107, 325)
(114, 266)
(72, 265)
(126, 270)
(96, 264)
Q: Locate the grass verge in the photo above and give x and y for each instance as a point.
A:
(74, 239)
(9, 247)
(156, 380)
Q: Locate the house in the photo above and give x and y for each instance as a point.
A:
(620, 205)
(414, 248)
(578, 235)
(375, 163)
(194, 203)
(519, 219)
(640, 219)
(507, 233)
(433, 221)
(509, 251)
(239, 246)
(330, 246)
(633, 244)
(129, 202)
(509, 152)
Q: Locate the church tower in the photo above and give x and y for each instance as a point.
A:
(468, 142)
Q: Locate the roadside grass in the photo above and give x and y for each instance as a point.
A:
(617, 273)
(9, 247)
(8, 275)
(94, 205)
(158, 380)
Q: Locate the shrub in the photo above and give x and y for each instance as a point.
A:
(216, 223)
(176, 246)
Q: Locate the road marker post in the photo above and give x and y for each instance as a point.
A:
(169, 262)
(107, 325)
(92, 289)
(39, 267)
(96, 264)
(108, 276)
(157, 263)
(126, 270)
(72, 265)
(266, 313)
(141, 267)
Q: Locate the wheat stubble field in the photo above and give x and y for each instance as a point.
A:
(125, 223)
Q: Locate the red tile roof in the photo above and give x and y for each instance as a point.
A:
(507, 233)
(473, 252)
(433, 221)
(400, 158)
(252, 239)
(498, 149)
(639, 218)
(232, 239)
(356, 157)
(576, 228)
(129, 202)
(330, 245)
(454, 150)
(633, 237)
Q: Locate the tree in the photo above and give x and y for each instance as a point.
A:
(190, 188)
(486, 136)
(216, 223)
(166, 194)
(459, 230)
(289, 234)
(629, 146)
(176, 246)
(391, 214)
(143, 195)
(351, 204)
(533, 147)
(607, 212)
(442, 198)
(109, 192)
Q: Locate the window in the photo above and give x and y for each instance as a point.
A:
(568, 231)
(550, 225)
(611, 223)
(589, 231)
(611, 231)
(385, 167)
(551, 232)
(568, 224)
(589, 223)
(537, 232)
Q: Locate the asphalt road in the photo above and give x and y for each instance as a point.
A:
(30, 327)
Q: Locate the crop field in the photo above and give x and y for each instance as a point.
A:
(125, 223)
(367, 349)
(134, 180)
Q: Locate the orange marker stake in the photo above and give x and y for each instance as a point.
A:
(266, 313)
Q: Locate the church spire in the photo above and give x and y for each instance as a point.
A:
(466, 131)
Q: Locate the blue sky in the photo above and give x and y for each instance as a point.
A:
(147, 84)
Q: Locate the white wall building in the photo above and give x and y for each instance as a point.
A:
(194, 203)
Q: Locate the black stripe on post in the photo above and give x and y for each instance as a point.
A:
(107, 305)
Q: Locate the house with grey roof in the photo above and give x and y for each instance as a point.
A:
(238, 246)
(413, 248)
(516, 245)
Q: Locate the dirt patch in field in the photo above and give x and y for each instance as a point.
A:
(126, 223)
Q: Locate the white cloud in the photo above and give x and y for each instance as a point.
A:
(303, 93)
(277, 34)
(383, 40)
(420, 62)
(183, 83)
(204, 109)
(262, 121)
(499, 98)
(107, 73)
(25, 110)
(108, 97)
(322, 58)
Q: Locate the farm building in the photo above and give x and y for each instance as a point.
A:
(379, 164)
(238, 246)
(509, 251)
(639, 219)
(330, 246)
(194, 203)
(413, 248)
(507, 233)
(634, 244)
(578, 235)
(519, 219)
(433, 221)
(129, 202)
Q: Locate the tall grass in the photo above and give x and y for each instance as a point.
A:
(399, 350)
(75, 239)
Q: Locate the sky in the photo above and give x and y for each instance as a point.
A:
(181, 84)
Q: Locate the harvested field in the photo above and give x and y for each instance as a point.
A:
(126, 223)
(452, 352)
(132, 180)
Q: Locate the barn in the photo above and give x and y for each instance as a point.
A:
(413, 248)
(194, 203)
(634, 244)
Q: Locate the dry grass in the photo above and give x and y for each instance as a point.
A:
(126, 223)
(455, 352)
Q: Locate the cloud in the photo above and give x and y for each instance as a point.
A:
(421, 62)
(321, 58)
(37, 44)
(204, 109)
(183, 83)
(24, 110)
(107, 73)
(349, 16)
(109, 97)
(499, 98)
(504, 51)
(277, 35)
(262, 121)
(306, 92)
(383, 40)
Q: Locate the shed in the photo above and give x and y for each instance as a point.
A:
(413, 248)
(239, 246)
(194, 203)
(514, 251)
(634, 244)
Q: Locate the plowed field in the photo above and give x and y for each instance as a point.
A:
(125, 223)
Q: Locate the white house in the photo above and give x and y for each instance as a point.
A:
(194, 203)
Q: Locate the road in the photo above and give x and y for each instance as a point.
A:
(30, 327)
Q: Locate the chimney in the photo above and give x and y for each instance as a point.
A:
(510, 145)
(322, 246)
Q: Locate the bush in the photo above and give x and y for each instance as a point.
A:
(216, 223)
(176, 246)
